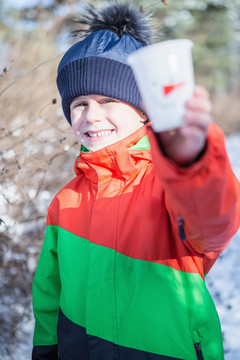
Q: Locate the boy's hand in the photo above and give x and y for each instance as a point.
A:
(185, 144)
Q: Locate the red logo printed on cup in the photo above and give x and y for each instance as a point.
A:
(170, 88)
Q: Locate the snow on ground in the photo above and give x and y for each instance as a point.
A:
(223, 280)
(223, 283)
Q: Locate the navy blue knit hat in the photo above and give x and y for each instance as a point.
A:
(98, 64)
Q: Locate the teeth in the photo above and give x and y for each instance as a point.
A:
(100, 133)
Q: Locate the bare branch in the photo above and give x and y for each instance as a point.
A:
(28, 72)
(144, 9)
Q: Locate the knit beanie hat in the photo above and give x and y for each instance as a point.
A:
(98, 64)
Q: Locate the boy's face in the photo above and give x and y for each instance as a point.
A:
(98, 121)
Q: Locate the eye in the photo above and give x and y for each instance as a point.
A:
(80, 104)
(107, 100)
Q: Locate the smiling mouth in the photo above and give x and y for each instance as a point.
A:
(95, 134)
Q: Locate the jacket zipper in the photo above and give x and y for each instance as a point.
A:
(181, 231)
(198, 351)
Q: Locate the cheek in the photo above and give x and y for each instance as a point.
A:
(75, 120)
(78, 134)
(134, 122)
(76, 127)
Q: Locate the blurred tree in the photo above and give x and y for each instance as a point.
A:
(213, 26)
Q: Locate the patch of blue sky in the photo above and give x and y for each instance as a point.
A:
(20, 4)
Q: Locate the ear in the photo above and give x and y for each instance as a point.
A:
(144, 117)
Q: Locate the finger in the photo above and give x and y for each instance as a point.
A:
(198, 119)
(201, 91)
(199, 104)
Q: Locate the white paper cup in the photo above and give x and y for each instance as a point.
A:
(165, 77)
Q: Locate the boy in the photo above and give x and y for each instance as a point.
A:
(130, 239)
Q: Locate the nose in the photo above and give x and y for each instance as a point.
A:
(94, 112)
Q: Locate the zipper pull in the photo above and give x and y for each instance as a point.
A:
(181, 231)
(198, 351)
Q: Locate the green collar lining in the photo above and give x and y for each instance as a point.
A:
(142, 144)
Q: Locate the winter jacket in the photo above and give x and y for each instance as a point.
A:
(128, 244)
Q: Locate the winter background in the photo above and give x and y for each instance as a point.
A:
(37, 148)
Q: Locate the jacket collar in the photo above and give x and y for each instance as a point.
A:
(122, 160)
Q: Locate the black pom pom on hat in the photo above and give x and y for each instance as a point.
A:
(120, 18)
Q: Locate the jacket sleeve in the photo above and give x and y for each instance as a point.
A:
(203, 200)
(46, 292)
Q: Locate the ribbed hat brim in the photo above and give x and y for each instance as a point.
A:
(100, 76)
